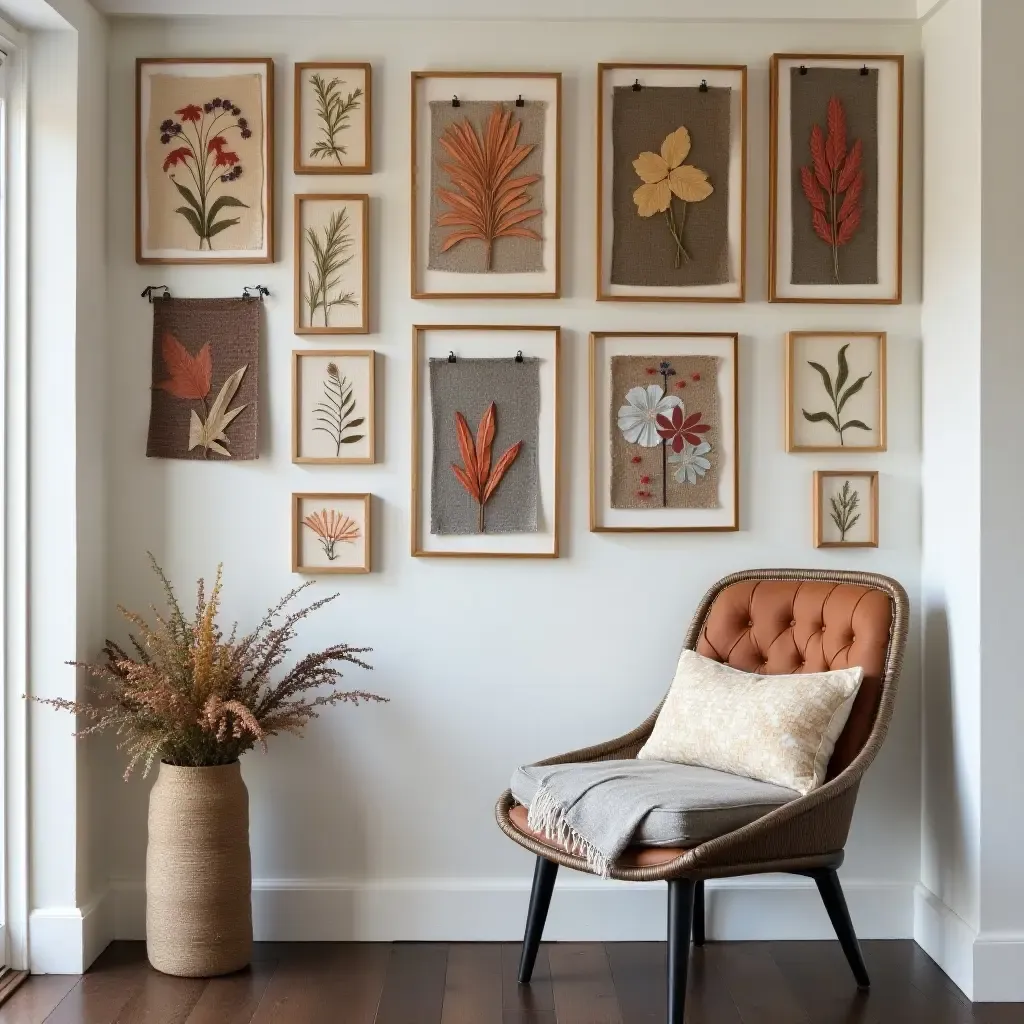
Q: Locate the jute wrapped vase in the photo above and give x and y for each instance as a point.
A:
(198, 872)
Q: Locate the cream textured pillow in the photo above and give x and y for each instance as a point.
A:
(779, 729)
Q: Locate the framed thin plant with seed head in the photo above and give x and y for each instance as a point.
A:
(333, 123)
(333, 407)
(331, 533)
(835, 391)
(845, 509)
(331, 264)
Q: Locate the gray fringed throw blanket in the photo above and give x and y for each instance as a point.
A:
(594, 809)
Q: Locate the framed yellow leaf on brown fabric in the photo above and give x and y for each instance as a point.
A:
(490, 233)
(333, 118)
(671, 173)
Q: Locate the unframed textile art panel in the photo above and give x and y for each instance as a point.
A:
(205, 379)
(469, 386)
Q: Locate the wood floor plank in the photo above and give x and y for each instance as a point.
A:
(582, 984)
(105, 990)
(472, 987)
(414, 984)
(162, 999)
(535, 998)
(754, 982)
(37, 998)
(820, 978)
(234, 998)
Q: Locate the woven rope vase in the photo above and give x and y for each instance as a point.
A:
(198, 873)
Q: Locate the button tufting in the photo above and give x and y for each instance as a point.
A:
(792, 622)
(750, 624)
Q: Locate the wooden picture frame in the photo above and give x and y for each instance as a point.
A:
(341, 398)
(358, 228)
(210, 204)
(302, 158)
(441, 342)
(355, 506)
(543, 278)
(825, 525)
(853, 398)
(611, 76)
(798, 248)
(662, 347)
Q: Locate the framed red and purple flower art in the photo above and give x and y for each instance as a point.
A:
(836, 168)
(204, 170)
(664, 437)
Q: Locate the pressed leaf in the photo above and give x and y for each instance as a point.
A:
(826, 379)
(484, 440)
(852, 390)
(192, 217)
(499, 470)
(851, 198)
(811, 189)
(690, 183)
(821, 227)
(856, 424)
(821, 171)
(843, 374)
(189, 196)
(675, 148)
(219, 203)
(466, 446)
(216, 229)
(851, 167)
(835, 146)
(463, 478)
(820, 417)
(650, 167)
(351, 439)
(190, 376)
(653, 198)
(849, 227)
(211, 433)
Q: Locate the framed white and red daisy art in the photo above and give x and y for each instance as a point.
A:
(664, 432)
(204, 160)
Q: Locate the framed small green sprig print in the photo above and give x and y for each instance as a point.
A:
(845, 509)
(333, 118)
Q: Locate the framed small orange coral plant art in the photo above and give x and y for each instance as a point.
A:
(331, 533)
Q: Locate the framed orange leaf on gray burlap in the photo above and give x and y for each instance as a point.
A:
(205, 379)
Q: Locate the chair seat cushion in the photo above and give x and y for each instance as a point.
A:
(707, 804)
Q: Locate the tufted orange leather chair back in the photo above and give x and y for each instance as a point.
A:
(777, 627)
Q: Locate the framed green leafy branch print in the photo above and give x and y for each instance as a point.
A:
(332, 407)
(204, 160)
(845, 509)
(333, 118)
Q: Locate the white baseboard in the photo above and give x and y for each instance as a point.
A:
(999, 967)
(66, 940)
(946, 937)
(491, 910)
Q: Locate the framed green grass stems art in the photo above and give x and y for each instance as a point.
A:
(845, 508)
(485, 442)
(333, 124)
(204, 160)
(664, 432)
(332, 264)
(671, 173)
(490, 233)
(836, 178)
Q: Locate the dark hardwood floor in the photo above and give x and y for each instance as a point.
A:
(475, 983)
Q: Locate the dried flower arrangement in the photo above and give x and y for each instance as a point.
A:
(191, 697)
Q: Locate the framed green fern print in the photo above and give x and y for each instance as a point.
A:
(333, 118)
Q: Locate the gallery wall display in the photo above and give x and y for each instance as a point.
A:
(333, 123)
(835, 391)
(332, 264)
(845, 509)
(331, 533)
(332, 407)
(204, 160)
(671, 174)
(664, 437)
(205, 379)
(486, 183)
(836, 169)
(485, 442)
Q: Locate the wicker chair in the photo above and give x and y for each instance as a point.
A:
(769, 621)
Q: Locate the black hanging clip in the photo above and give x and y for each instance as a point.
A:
(864, 70)
(703, 85)
(259, 290)
(455, 101)
(520, 102)
(519, 356)
(803, 69)
(451, 357)
(156, 291)
(637, 86)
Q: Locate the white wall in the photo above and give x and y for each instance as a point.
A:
(379, 824)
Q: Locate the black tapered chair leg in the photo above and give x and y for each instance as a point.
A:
(698, 913)
(680, 927)
(540, 899)
(839, 914)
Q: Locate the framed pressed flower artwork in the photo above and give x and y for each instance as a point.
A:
(204, 160)
(332, 264)
(485, 442)
(331, 533)
(845, 509)
(671, 172)
(332, 407)
(664, 432)
(486, 184)
(835, 391)
(836, 170)
(333, 118)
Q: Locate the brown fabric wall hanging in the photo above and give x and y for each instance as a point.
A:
(643, 251)
(205, 379)
(813, 259)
